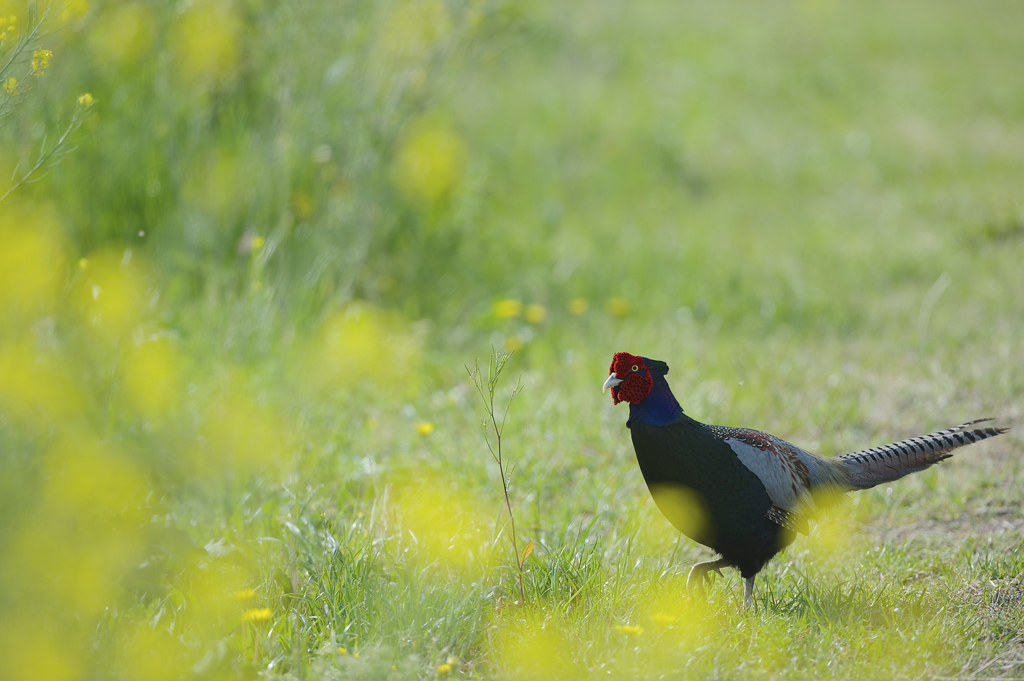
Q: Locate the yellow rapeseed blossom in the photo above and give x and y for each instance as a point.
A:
(444, 668)
(257, 615)
(243, 594)
(40, 61)
(124, 36)
(446, 525)
(535, 314)
(617, 307)
(682, 506)
(578, 306)
(83, 263)
(411, 32)
(150, 374)
(8, 28)
(425, 428)
(629, 629)
(508, 308)
(74, 9)
(31, 256)
(302, 204)
(257, 242)
(10, 85)
(429, 161)
(513, 343)
(663, 619)
(85, 99)
(342, 650)
(206, 40)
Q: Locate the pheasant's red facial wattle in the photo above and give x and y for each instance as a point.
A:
(635, 376)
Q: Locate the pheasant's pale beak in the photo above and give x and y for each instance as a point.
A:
(611, 382)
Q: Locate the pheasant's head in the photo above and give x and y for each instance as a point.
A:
(630, 377)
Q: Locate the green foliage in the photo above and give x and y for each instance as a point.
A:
(235, 432)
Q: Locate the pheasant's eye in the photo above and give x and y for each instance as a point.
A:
(636, 368)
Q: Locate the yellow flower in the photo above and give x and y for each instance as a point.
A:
(578, 306)
(257, 615)
(85, 100)
(512, 344)
(40, 61)
(342, 650)
(663, 619)
(535, 314)
(444, 668)
(83, 263)
(425, 428)
(508, 308)
(243, 594)
(75, 9)
(617, 307)
(453, 661)
(257, 242)
(629, 629)
(8, 28)
(10, 85)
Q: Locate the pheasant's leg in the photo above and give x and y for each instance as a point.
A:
(748, 593)
(699, 572)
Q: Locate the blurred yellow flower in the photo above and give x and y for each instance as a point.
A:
(444, 668)
(629, 629)
(85, 99)
(302, 204)
(513, 343)
(411, 31)
(243, 594)
(342, 650)
(257, 615)
(429, 161)
(617, 307)
(663, 619)
(425, 428)
(10, 85)
(75, 9)
(206, 42)
(151, 377)
(83, 263)
(453, 661)
(682, 507)
(40, 61)
(30, 262)
(578, 306)
(124, 35)
(535, 314)
(8, 29)
(257, 242)
(508, 308)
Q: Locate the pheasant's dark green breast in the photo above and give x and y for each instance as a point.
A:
(687, 454)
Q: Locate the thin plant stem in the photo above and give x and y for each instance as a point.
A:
(492, 423)
(45, 156)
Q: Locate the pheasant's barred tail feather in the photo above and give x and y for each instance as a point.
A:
(890, 462)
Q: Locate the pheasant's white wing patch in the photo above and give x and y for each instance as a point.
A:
(780, 475)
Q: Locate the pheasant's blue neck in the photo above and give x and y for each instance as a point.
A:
(659, 408)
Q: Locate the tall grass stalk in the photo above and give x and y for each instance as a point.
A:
(490, 424)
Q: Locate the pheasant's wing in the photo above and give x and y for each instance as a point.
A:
(780, 469)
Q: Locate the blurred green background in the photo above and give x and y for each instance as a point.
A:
(234, 318)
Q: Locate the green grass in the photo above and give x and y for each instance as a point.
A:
(811, 211)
